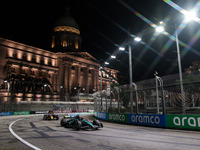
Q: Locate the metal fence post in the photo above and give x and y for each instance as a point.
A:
(162, 94)
(136, 98)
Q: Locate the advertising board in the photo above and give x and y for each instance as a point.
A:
(21, 113)
(118, 117)
(5, 113)
(147, 119)
(102, 115)
(183, 121)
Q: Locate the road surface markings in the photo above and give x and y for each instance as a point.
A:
(19, 138)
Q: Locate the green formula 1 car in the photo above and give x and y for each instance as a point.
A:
(78, 123)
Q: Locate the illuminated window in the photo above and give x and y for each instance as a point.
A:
(53, 42)
(76, 44)
(64, 41)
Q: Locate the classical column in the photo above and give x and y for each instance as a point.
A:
(52, 81)
(69, 79)
(55, 83)
(77, 76)
(60, 78)
(66, 78)
(97, 79)
(86, 85)
(93, 79)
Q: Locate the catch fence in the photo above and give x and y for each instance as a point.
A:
(149, 100)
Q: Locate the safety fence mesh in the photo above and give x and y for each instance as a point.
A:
(118, 100)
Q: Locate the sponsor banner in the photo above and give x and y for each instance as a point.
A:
(5, 113)
(70, 111)
(147, 119)
(21, 113)
(117, 117)
(102, 115)
(183, 121)
(41, 112)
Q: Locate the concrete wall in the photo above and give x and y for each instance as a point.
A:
(47, 105)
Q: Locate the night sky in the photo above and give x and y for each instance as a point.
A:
(106, 23)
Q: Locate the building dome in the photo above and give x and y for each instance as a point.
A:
(66, 35)
(66, 20)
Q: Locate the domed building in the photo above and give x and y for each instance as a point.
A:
(66, 73)
(66, 35)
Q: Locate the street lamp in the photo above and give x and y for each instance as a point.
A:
(137, 39)
(160, 29)
(113, 57)
(106, 63)
(190, 15)
(180, 72)
(121, 48)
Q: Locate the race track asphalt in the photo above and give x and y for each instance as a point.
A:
(49, 135)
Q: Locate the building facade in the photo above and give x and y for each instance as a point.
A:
(28, 73)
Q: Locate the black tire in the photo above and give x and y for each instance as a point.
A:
(96, 122)
(45, 117)
(76, 125)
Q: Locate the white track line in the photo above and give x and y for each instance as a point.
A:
(19, 138)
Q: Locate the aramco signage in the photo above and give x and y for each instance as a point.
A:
(117, 117)
(183, 121)
(147, 119)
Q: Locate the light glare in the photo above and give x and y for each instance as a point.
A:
(121, 48)
(137, 39)
(159, 29)
(113, 56)
(190, 15)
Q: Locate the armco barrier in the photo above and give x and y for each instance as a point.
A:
(183, 121)
(102, 115)
(5, 113)
(21, 113)
(147, 119)
(191, 122)
(140, 119)
(118, 117)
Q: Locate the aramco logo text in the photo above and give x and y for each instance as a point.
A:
(187, 121)
(145, 119)
(117, 117)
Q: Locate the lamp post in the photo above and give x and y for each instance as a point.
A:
(6, 81)
(101, 88)
(189, 15)
(180, 73)
(130, 77)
